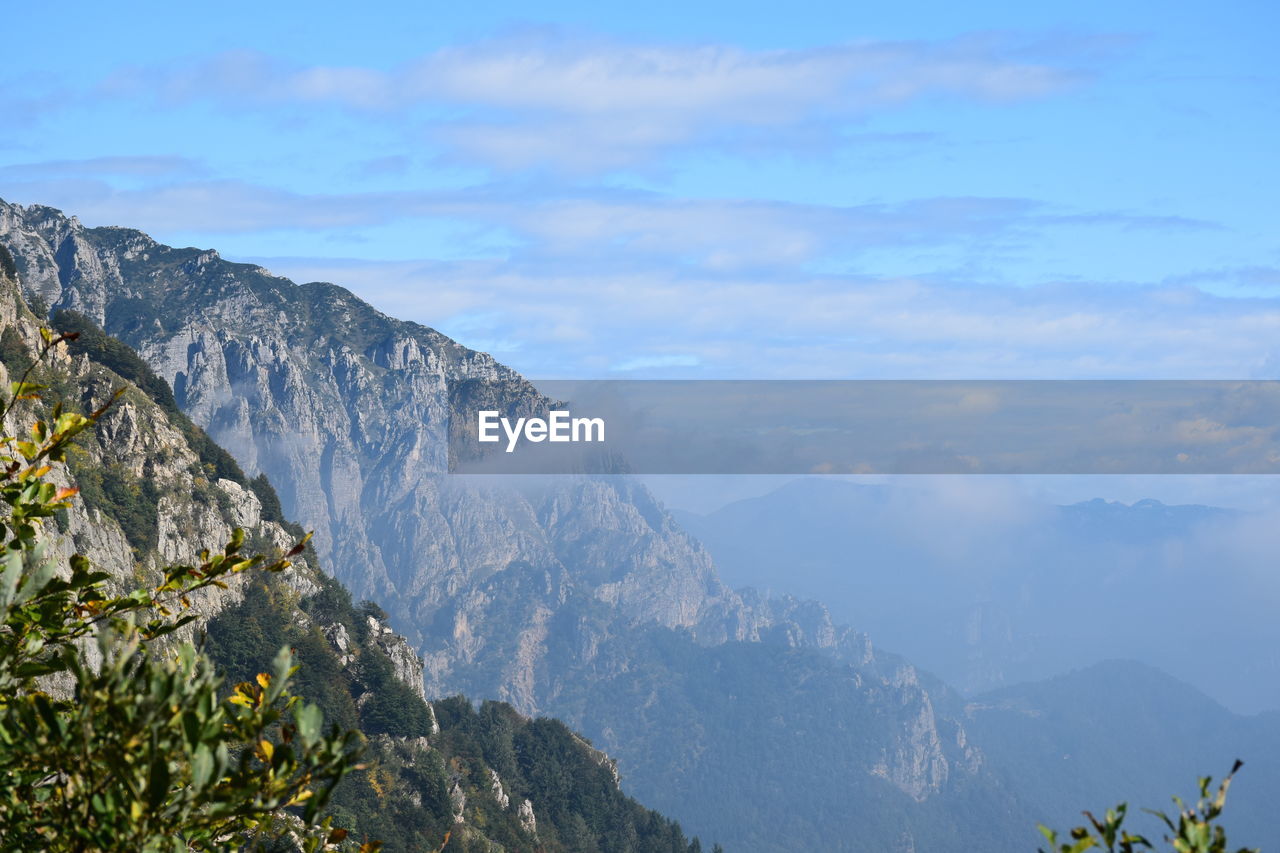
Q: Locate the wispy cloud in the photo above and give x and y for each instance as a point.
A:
(141, 166)
(573, 323)
(604, 227)
(1246, 280)
(580, 104)
(27, 98)
(215, 206)
(729, 234)
(649, 362)
(596, 282)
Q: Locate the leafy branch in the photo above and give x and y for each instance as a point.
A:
(1192, 828)
(142, 748)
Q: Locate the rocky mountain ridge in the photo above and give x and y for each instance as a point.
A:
(545, 595)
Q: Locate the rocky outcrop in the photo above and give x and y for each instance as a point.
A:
(499, 795)
(528, 822)
(915, 762)
(136, 441)
(602, 759)
(458, 797)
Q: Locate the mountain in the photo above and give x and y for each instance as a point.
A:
(1122, 731)
(154, 489)
(755, 719)
(987, 591)
(532, 595)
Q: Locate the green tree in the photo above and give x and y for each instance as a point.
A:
(1190, 830)
(144, 748)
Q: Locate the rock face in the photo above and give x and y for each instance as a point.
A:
(347, 411)
(499, 795)
(530, 594)
(347, 425)
(148, 499)
(527, 819)
(136, 439)
(136, 442)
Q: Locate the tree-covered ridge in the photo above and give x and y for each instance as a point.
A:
(429, 764)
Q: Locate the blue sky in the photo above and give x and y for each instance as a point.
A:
(811, 190)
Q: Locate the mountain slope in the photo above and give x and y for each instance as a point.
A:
(151, 496)
(530, 596)
(1122, 731)
(755, 720)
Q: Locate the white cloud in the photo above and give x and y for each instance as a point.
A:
(602, 227)
(727, 234)
(728, 283)
(807, 326)
(583, 105)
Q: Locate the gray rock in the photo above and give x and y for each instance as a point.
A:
(528, 822)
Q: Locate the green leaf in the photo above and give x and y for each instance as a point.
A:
(158, 785)
(202, 767)
(308, 718)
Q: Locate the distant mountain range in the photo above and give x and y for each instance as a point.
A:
(756, 720)
(1021, 593)
(1121, 731)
